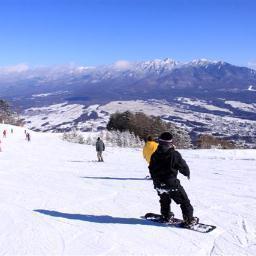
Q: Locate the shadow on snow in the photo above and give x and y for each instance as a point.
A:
(77, 161)
(105, 219)
(84, 161)
(112, 178)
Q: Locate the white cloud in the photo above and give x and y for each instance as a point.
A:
(14, 69)
(122, 64)
(252, 64)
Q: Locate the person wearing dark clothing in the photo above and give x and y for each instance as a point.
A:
(164, 166)
(28, 136)
(100, 147)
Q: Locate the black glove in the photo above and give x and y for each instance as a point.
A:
(157, 183)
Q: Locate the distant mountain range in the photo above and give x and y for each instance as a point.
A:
(140, 80)
(229, 90)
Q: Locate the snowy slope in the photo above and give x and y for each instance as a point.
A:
(242, 106)
(55, 200)
(64, 116)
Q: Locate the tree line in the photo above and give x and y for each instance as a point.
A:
(143, 125)
(7, 115)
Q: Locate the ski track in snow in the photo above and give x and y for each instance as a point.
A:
(55, 199)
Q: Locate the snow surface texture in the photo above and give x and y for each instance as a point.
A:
(202, 104)
(242, 106)
(57, 200)
(64, 115)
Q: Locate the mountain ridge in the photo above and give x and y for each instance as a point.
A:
(140, 80)
(211, 87)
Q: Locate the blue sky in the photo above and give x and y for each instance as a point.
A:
(95, 32)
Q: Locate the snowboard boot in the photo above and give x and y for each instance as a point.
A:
(167, 217)
(190, 222)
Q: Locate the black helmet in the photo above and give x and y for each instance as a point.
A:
(165, 137)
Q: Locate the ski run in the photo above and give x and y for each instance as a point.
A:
(55, 199)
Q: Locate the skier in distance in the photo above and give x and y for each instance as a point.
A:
(100, 147)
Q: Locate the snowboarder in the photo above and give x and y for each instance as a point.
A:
(4, 133)
(100, 147)
(164, 166)
(149, 148)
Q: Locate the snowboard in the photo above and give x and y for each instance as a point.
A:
(178, 223)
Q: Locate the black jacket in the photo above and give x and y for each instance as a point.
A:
(165, 164)
(100, 146)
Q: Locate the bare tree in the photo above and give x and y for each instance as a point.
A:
(142, 125)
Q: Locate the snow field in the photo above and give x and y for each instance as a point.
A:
(55, 199)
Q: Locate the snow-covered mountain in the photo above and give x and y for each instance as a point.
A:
(56, 200)
(125, 80)
(209, 89)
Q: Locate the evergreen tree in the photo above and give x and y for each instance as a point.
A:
(7, 115)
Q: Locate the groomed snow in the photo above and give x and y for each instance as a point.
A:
(202, 104)
(56, 200)
(242, 106)
(63, 116)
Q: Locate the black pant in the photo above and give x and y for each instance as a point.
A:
(180, 197)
